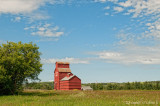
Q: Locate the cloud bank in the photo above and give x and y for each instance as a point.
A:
(27, 8)
(146, 10)
(24, 6)
(20, 6)
(66, 59)
(133, 55)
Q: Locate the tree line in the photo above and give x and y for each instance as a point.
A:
(39, 85)
(147, 85)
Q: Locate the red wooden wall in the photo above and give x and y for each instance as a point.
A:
(74, 83)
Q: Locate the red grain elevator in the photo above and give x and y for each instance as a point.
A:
(64, 79)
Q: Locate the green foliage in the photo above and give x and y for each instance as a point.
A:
(152, 85)
(39, 85)
(18, 62)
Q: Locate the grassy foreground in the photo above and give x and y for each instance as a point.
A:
(82, 98)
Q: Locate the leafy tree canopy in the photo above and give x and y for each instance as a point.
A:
(18, 62)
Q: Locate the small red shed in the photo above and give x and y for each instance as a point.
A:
(64, 79)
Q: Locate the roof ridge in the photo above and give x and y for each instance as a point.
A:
(67, 78)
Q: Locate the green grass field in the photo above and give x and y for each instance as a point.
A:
(82, 98)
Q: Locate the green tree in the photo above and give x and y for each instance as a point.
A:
(109, 86)
(127, 86)
(93, 85)
(99, 86)
(18, 62)
(157, 85)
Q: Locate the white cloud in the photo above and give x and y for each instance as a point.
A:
(106, 13)
(126, 3)
(103, 1)
(24, 6)
(45, 30)
(67, 59)
(27, 8)
(106, 8)
(37, 15)
(126, 38)
(20, 6)
(130, 51)
(118, 9)
(132, 55)
(146, 10)
(153, 29)
(17, 19)
(142, 7)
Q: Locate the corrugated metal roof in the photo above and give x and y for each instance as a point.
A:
(86, 88)
(62, 62)
(64, 70)
(67, 78)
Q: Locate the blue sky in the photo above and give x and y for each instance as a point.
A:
(104, 40)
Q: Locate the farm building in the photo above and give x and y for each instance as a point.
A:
(86, 88)
(64, 79)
